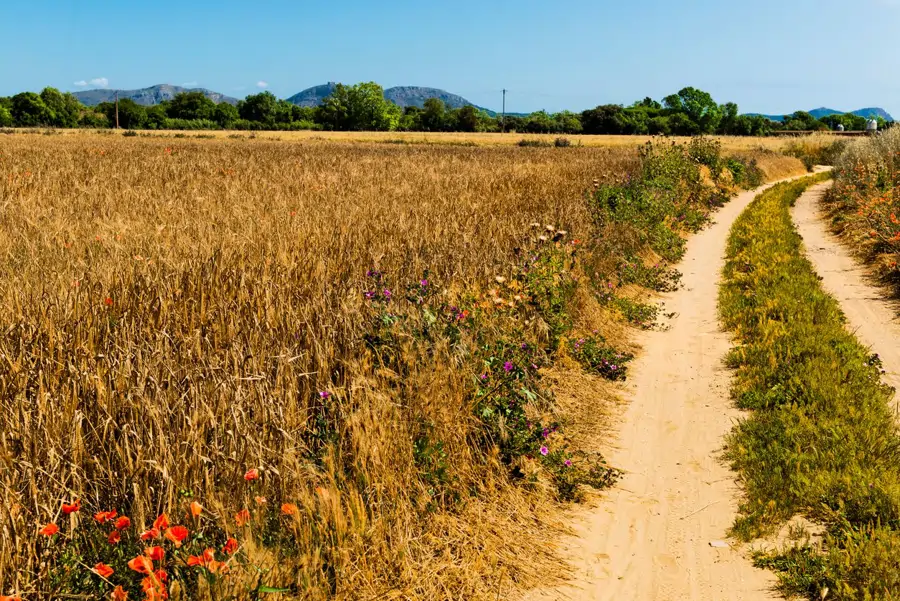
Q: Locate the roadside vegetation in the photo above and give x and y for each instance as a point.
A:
(267, 370)
(865, 202)
(821, 440)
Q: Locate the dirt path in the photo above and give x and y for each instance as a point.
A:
(650, 537)
(872, 317)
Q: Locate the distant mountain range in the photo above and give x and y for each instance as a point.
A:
(824, 112)
(147, 96)
(403, 96)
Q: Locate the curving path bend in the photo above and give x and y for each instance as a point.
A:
(650, 538)
(871, 316)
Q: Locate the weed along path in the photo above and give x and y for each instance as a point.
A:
(660, 534)
(870, 316)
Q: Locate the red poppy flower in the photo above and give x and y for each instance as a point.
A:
(103, 570)
(230, 547)
(155, 553)
(141, 564)
(154, 589)
(161, 575)
(151, 534)
(119, 594)
(251, 475)
(49, 530)
(196, 509)
(115, 537)
(122, 523)
(288, 509)
(105, 516)
(176, 534)
(108, 302)
(208, 560)
(9, 598)
(161, 523)
(68, 508)
(242, 517)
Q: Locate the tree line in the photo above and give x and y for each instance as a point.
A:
(362, 107)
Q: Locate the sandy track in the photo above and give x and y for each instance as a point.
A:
(649, 539)
(870, 315)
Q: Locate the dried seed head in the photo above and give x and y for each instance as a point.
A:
(500, 279)
(549, 228)
(542, 238)
(535, 224)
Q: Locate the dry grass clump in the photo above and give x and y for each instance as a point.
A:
(176, 313)
(774, 166)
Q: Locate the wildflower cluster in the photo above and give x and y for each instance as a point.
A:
(107, 553)
(597, 356)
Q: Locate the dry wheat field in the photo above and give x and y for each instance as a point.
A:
(193, 333)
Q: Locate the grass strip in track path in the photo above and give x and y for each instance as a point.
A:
(821, 439)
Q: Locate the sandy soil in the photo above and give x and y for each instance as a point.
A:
(870, 315)
(660, 534)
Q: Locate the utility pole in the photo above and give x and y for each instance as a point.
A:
(503, 118)
(117, 109)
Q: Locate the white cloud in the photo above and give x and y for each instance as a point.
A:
(262, 84)
(101, 82)
(81, 83)
(189, 84)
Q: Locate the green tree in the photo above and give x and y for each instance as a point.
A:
(226, 114)
(434, 115)
(6, 119)
(93, 119)
(466, 118)
(699, 107)
(29, 110)
(359, 108)
(156, 117)
(259, 107)
(567, 122)
(680, 124)
(303, 113)
(191, 105)
(729, 118)
(131, 114)
(803, 121)
(411, 119)
(602, 120)
(65, 107)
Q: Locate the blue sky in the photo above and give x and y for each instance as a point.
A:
(769, 56)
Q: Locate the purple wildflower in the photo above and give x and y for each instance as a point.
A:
(324, 394)
(545, 433)
(483, 377)
(545, 451)
(387, 294)
(568, 462)
(508, 367)
(370, 295)
(423, 283)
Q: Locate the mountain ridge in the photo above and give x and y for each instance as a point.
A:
(821, 112)
(146, 96)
